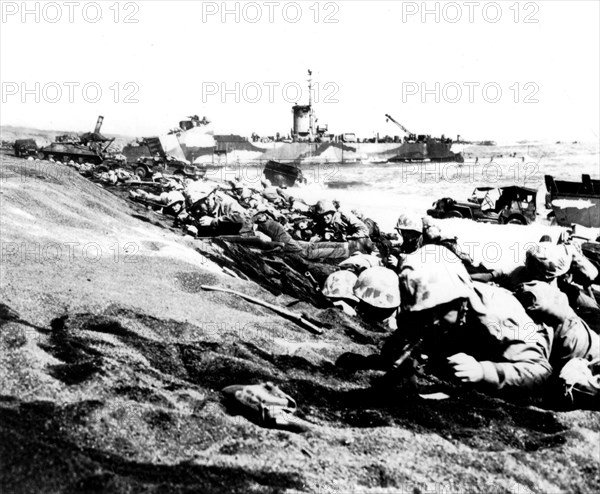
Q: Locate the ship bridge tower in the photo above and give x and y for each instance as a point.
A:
(304, 117)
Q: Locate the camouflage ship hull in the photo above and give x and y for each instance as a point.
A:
(333, 152)
(227, 149)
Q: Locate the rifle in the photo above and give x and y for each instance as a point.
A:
(407, 351)
(297, 318)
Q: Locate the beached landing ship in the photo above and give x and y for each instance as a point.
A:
(199, 145)
(308, 142)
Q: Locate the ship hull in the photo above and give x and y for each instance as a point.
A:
(330, 152)
(233, 149)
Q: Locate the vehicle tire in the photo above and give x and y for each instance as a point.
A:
(141, 172)
(516, 219)
(179, 173)
(453, 214)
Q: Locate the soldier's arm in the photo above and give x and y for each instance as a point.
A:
(359, 229)
(524, 362)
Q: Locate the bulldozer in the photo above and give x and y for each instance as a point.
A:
(89, 147)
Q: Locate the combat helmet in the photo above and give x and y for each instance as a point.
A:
(431, 276)
(409, 222)
(172, 184)
(378, 287)
(547, 261)
(544, 301)
(360, 261)
(198, 191)
(340, 285)
(433, 232)
(298, 218)
(323, 207)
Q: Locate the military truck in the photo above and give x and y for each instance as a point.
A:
(505, 205)
(146, 166)
(25, 147)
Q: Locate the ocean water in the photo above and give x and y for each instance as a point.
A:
(383, 191)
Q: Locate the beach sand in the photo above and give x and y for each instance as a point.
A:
(123, 393)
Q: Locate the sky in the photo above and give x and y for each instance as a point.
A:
(484, 70)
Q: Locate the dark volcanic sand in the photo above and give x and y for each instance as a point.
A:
(123, 395)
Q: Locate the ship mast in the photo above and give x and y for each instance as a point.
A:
(310, 114)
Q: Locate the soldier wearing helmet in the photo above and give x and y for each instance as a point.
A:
(247, 197)
(546, 261)
(410, 231)
(562, 265)
(546, 304)
(214, 213)
(433, 233)
(325, 212)
(265, 223)
(333, 225)
(339, 289)
(480, 333)
(358, 262)
(340, 285)
(573, 340)
(574, 275)
(301, 228)
(378, 294)
(324, 206)
(171, 199)
(543, 262)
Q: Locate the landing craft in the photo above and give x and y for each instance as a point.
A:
(575, 202)
(423, 148)
(308, 142)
